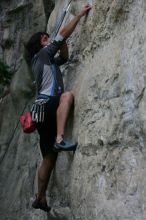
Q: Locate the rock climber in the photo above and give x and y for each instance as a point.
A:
(49, 83)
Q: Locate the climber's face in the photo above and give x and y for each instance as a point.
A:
(45, 40)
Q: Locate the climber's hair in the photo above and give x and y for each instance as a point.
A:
(33, 46)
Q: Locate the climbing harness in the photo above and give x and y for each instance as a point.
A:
(38, 110)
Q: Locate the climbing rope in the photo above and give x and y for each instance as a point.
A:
(11, 137)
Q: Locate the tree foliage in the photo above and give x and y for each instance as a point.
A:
(5, 74)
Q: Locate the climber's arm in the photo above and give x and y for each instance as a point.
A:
(67, 30)
(64, 51)
(63, 55)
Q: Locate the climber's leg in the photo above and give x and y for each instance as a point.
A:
(44, 173)
(66, 102)
(47, 131)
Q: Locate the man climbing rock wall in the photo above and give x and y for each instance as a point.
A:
(105, 178)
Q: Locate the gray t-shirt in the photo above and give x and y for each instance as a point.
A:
(46, 71)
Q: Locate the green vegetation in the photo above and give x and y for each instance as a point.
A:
(5, 74)
(8, 43)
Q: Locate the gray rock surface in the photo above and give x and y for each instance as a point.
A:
(105, 178)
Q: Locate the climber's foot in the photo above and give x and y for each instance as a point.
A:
(64, 146)
(37, 204)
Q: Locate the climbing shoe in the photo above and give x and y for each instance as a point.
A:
(64, 146)
(37, 204)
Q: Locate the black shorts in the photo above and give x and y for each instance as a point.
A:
(48, 129)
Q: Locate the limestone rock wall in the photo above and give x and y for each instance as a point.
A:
(105, 178)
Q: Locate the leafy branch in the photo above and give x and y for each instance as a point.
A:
(5, 74)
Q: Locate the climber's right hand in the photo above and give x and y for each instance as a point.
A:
(85, 10)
